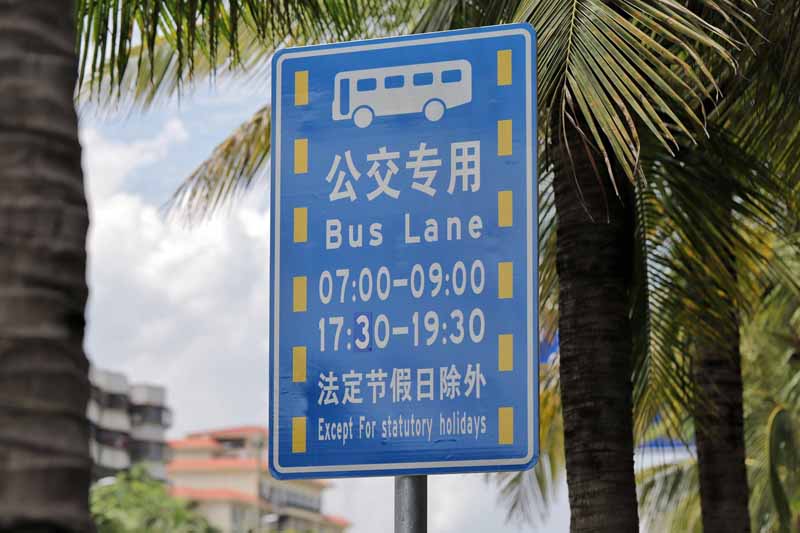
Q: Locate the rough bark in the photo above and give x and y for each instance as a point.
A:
(720, 439)
(719, 417)
(44, 387)
(594, 259)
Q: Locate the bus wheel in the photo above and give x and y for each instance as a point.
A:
(363, 117)
(434, 110)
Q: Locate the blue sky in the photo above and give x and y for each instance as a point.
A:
(188, 308)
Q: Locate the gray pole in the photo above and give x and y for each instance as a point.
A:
(411, 504)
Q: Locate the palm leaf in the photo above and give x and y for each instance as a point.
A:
(617, 69)
(548, 276)
(685, 290)
(668, 493)
(763, 98)
(528, 496)
(233, 167)
(781, 449)
(163, 77)
(452, 14)
(114, 34)
(669, 497)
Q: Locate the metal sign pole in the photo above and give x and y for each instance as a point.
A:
(411, 504)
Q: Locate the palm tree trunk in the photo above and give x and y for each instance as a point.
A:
(719, 418)
(720, 439)
(594, 260)
(44, 387)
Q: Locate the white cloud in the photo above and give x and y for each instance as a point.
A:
(183, 308)
(107, 163)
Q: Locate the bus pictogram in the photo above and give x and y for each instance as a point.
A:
(427, 88)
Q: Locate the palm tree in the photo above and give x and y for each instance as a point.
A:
(759, 116)
(699, 294)
(592, 87)
(670, 495)
(44, 386)
(609, 75)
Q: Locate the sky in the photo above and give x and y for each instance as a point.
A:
(187, 308)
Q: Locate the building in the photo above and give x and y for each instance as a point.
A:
(224, 472)
(127, 423)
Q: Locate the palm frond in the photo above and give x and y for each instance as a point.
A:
(762, 100)
(453, 14)
(233, 167)
(548, 276)
(782, 452)
(770, 335)
(669, 497)
(528, 496)
(689, 234)
(162, 76)
(113, 33)
(611, 70)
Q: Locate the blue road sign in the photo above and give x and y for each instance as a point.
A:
(403, 335)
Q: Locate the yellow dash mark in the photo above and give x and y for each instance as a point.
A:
(298, 434)
(299, 284)
(300, 224)
(505, 280)
(505, 352)
(504, 67)
(503, 137)
(299, 362)
(505, 209)
(301, 87)
(505, 425)
(300, 156)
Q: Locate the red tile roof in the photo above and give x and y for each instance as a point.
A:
(337, 520)
(227, 463)
(230, 432)
(216, 463)
(196, 443)
(189, 493)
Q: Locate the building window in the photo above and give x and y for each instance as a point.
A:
(110, 438)
(110, 400)
(280, 496)
(150, 414)
(142, 450)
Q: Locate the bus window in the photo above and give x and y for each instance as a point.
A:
(393, 82)
(451, 76)
(344, 96)
(423, 78)
(367, 84)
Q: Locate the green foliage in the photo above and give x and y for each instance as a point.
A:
(669, 494)
(230, 171)
(111, 33)
(773, 407)
(689, 234)
(134, 503)
(528, 496)
(612, 70)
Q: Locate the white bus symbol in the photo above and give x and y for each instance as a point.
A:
(427, 88)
